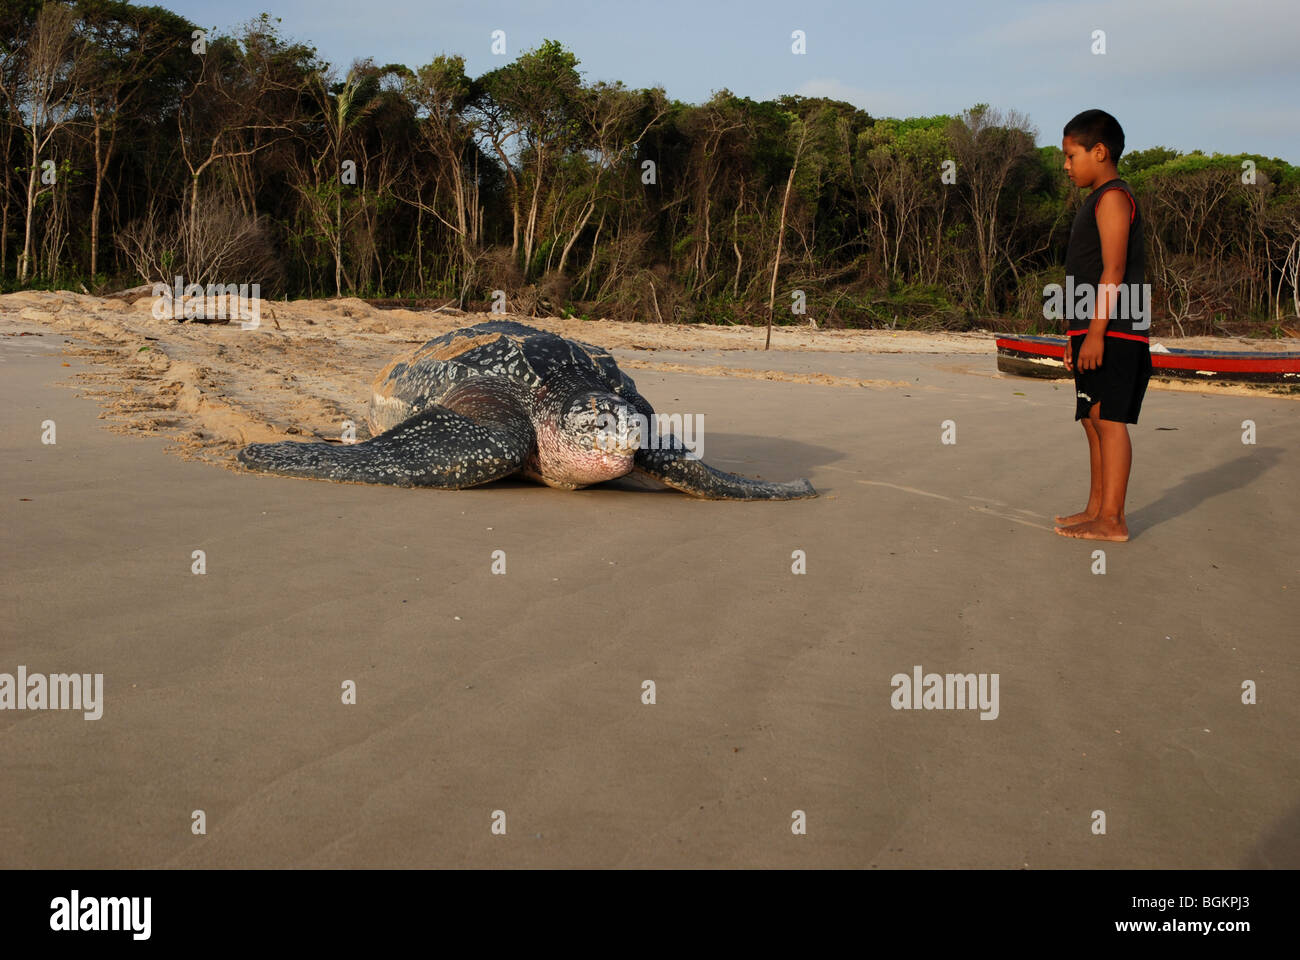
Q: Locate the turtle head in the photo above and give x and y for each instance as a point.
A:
(594, 438)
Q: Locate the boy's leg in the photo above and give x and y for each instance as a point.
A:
(1116, 462)
(1093, 509)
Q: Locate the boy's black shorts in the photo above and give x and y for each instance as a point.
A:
(1119, 384)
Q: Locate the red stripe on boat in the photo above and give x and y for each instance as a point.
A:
(1114, 333)
(1245, 363)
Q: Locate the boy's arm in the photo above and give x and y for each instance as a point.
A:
(1114, 214)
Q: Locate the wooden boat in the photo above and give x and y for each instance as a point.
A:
(1028, 356)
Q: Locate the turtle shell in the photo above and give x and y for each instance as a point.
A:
(531, 358)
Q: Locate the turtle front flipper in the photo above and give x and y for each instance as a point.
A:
(437, 447)
(670, 464)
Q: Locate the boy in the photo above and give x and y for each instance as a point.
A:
(1109, 351)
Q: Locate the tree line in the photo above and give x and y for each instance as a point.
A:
(138, 147)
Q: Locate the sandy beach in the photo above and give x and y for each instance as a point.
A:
(523, 692)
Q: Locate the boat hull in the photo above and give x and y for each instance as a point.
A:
(1041, 357)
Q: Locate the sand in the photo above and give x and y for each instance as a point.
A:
(523, 693)
(306, 370)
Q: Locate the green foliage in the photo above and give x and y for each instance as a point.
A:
(1135, 161)
(470, 184)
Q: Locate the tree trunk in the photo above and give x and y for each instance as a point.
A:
(25, 261)
(576, 232)
(780, 237)
(591, 262)
(101, 167)
(530, 228)
(735, 240)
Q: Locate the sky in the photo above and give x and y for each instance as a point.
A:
(1214, 75)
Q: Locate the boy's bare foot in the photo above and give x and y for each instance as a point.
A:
(1076, 518)
(1115, 530)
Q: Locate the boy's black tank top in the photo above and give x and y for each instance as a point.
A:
(1083, 259)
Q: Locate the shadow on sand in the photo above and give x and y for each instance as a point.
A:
(1194, 490)
(1279, 846)
(761, 458)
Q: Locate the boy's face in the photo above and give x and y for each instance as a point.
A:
(1081, 164)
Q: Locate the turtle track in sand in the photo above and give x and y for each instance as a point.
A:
(211, 388)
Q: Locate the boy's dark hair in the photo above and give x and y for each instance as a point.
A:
(1097, 126)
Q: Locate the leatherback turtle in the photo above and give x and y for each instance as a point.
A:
(500, 398)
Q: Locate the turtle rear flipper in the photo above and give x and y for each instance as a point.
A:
(671, 465)
(437, 447)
